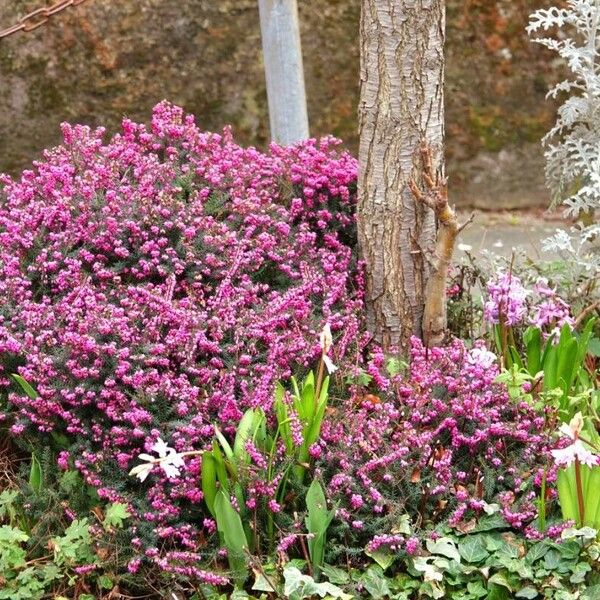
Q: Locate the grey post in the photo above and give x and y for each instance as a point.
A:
(283, 70)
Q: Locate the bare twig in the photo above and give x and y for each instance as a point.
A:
(586, 312)
(435, 196)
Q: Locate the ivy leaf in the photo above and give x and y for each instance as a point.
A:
(551, 560)
(472, 549)
(298, 586)
(335, 575)
(497, 592)
(579, 572)
(490, 522)
(445, 547)
(536, 552)
(116, 513)
(499, 579)
(261, 583)
(375, 582)
(591, 593)
(527, 592)
(476, 589)
(381, 556)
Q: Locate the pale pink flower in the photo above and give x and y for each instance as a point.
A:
(481, 357)
(565, 457)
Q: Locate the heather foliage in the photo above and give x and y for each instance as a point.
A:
(166, 294)
(442, 443)
(160, 282)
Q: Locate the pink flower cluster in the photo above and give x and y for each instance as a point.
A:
(506, 300)
(164, 280)
(508, 303)
(550, 311)
(445, 443)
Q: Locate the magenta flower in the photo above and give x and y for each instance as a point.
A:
(168, 277)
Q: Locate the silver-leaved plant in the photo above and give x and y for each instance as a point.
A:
(573, 144)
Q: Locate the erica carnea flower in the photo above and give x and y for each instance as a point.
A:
(167, 260)
(506, 300)
(168, 459)
(564, 457)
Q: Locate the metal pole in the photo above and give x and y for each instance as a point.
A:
(283, 70)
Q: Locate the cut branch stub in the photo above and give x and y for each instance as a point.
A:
(434, 194)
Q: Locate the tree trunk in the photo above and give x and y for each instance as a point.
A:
(401, 107)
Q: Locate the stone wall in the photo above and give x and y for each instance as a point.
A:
(107, 58)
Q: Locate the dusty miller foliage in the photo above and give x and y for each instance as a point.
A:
(573, 144)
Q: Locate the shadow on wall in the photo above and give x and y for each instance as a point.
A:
(102, 60)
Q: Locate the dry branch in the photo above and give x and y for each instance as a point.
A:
(434, 194)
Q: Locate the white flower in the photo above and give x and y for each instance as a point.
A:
(565, 457)
(171, 464)
(331, 368)
(168, 460)
(481, 357)
(142, 471)
(574, 428)
(326, 339)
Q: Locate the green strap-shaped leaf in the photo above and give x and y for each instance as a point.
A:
(281, 411)
(224, 443)
(35, 475)
(567, 494)
(229, 525)
(591, 485)
(209, 481)
(533, 344)
(550, 368)
(244, 432)
(317, 522)
(220, 467)
(25, 386)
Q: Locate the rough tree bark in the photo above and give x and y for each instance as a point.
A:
(401, 106)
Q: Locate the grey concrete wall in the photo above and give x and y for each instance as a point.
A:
(109, 58)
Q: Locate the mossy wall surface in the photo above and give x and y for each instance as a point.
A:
(108, 58)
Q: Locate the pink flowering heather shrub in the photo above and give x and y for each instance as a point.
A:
(162, 281)
(442, 443)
